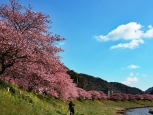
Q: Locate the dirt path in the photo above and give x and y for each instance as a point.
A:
(120, 111)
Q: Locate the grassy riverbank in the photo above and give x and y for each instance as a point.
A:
(20, 102)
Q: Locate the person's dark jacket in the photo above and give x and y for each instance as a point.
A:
(71, 106)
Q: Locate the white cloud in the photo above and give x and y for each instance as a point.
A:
(149, 33)
(133, 67)
(129, 32)
(129, 80)
(132, 45)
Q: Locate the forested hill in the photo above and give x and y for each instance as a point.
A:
(88, 82)
(149, 90)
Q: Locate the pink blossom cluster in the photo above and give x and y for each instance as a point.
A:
(82, 94)
(123, 96)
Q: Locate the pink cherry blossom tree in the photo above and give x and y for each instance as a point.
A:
(116, 96)
(138, 96)
(28, 54)
(95, 94)
(131, 97)
(147, 96)
(124, 96)
(103, 95)
(25, 40)
(83, 94)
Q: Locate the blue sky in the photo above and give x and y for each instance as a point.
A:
(110, 39)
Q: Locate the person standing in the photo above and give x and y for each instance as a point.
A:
(71, 108)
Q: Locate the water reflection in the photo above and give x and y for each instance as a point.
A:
(138, 111)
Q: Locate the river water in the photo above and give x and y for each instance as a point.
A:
(138, 111)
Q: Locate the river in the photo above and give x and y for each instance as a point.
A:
(138, 111)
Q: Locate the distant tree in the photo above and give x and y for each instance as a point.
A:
(95, 94)
(103, 95)
(83, 94)
(131, 96)
(147, 96)
(116, 96)
(28, 52)
(124, 96)
(138, 96)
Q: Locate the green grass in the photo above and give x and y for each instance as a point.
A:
(29, 103)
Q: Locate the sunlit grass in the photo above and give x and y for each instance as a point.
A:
(20, 102)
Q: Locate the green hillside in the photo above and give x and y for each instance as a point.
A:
(89, 82)
(20, 102)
